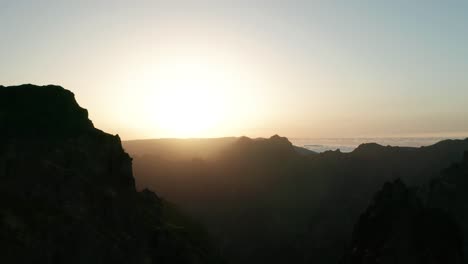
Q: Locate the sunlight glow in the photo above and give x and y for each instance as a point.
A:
(186, 92)
(188, 98)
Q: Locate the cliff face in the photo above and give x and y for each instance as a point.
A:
(398, 228)
(449, 192)
(427, 224)
(67, 193)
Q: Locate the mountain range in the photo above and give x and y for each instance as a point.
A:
(265, 201)
(71, 193)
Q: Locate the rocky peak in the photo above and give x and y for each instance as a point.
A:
(280, 140)
(275, 146)
(369, 149)
(28, 111)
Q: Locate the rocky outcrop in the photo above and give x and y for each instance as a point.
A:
(67, 193)
(449, 192)
(29, 111)
(398, 228)
(275, 144)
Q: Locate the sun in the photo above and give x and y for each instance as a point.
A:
(194, 96)
(187, 109)
(188, 99)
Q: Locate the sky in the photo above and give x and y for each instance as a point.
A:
(154, 69)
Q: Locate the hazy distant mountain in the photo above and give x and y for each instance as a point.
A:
(188, 149)
(179, 149)
(67, 192)
(266, 203)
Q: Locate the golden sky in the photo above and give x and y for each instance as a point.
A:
(152, 69)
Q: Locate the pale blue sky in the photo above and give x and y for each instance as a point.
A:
(256, 68)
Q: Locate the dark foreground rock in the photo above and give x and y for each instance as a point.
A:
(397, 228)
(450, 193)
(67, 193)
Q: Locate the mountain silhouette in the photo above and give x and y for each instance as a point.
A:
(423, 224)
(68, 195)
(398, 228)
(265, 202)
(50, 111)
(448, 192)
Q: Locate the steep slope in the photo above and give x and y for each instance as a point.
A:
(425, 224)
(67, 193)
(397, 228)
(449, 192)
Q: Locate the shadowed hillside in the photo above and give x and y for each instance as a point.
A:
(449, 192)
(267, 203)
(425, 224)
(398, 228)
(67, 192)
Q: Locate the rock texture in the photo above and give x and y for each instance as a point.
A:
(449, 192)
(397, 228)
(67, 193)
